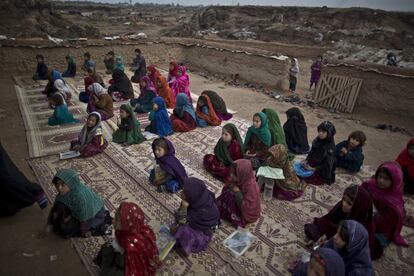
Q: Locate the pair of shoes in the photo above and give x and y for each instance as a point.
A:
(161, 189)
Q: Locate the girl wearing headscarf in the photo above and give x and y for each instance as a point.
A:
(356, 204)
(239, 203)
(71, 70)
(228, 149)
(205, 114)
(258, 140)
(63, 89)
(197, 218)
(293, 74)
(121, 88)
(290, 187)
(53, 75)
(324, 261)
(183, 118)
(100, 102)
(406, 161)
(352, 243)
(61, 114)
(349, 154)
(386, 191)
(90, 79)
(172, 71)
(296, 131)
(153, 73)
(160, 121)
(16, 191)
(316, 68)
(129, 129)
(164, 90)
(119, 64)
(148, 92)
(169, 174)
(181, 84)
(41, 69)
(91, 140)
(321, 158)
(218, 104)
(134, 250)
(77, 211)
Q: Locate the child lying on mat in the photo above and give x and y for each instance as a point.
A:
(91, 140)
(77, 210)
(169, 173)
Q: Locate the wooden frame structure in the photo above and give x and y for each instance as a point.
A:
(338, 92)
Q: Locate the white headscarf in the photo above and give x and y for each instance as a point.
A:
(84, 136)
(296, 66)
(97, 89)
(62, 88)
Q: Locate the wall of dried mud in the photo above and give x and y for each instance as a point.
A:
(383, 91)
(384, 88)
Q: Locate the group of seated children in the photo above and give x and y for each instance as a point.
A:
(357, 229)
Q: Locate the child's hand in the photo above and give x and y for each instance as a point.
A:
(185, 204)
(76, 147)
(321, 241)
(87, 234)
(236, 189)
(344, 151)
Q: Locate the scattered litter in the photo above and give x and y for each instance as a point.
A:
(281, 57)
(87, 14)
(55, 40)
(28, 255)
(53, 258)
(127, 23)
(138, 36)
(110, 38)
(3, 37)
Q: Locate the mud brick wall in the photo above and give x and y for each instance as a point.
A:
(384, 92)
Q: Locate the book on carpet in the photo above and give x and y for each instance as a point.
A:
(149, 136)
(165, 242)
(239, 241)
(269, 172)
(69, 154)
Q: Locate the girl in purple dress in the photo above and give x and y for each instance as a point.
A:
(316, 72)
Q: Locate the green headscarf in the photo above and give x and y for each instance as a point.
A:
(133, 136)
(263, 132)
(81, 200)
(221, 150)
(276, 130)
(70, 59)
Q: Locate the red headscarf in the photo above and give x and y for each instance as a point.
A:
(406, 161)
(392, 196)
(246, 181)
(153, 73)
(138, 241)
(211, 118)
(165, 92)
(173, 72)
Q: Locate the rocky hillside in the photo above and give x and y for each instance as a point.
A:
(302, 25)
(38, 18)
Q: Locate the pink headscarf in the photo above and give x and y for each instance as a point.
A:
(246, 181)
(181, 84)
(391, 196)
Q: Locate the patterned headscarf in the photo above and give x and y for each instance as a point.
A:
(85, 136)
(138, 241)
(81, 200)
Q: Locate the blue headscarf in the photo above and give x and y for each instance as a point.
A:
(183, 105)
(160, 118)
(56, 75)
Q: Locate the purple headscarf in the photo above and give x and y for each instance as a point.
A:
(334, 265)
(149, 86)
(356, 255)
(202, 213)
(170, 164)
